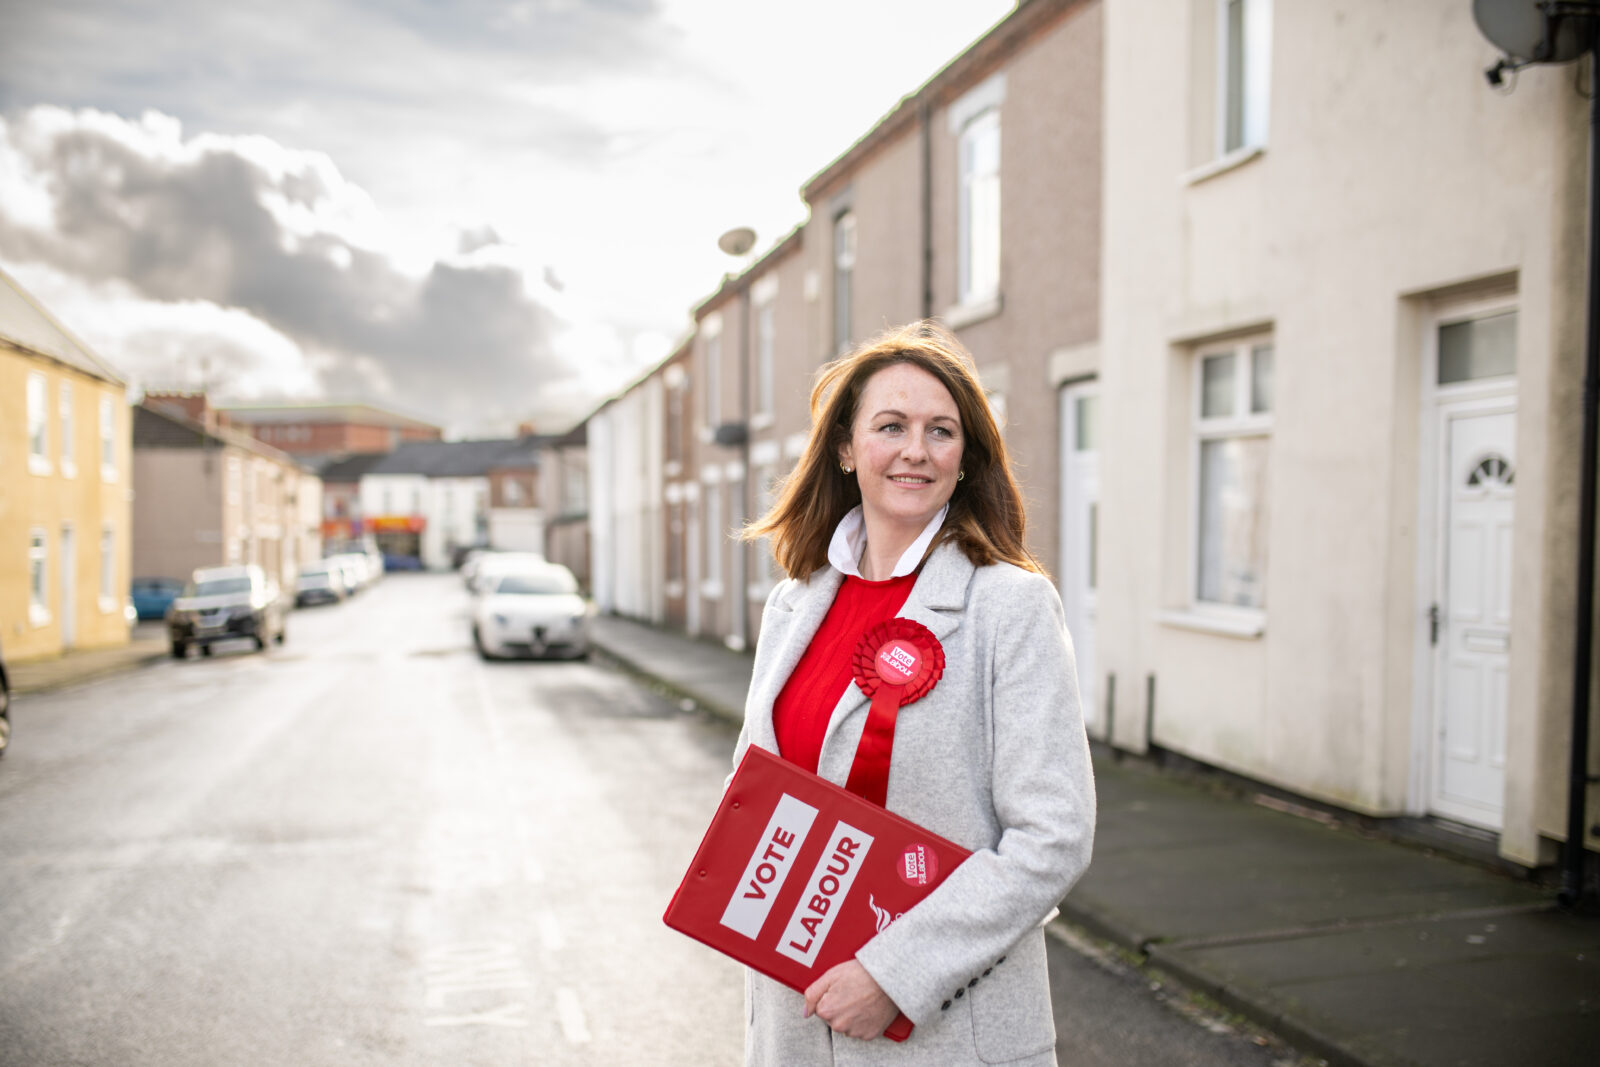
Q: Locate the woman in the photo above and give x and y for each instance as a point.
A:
(904, 504)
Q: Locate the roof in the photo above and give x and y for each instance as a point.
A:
(349, 468)
(451, 459)
(159, 426)
(359, 414)
(26, 324)
(1002, 40)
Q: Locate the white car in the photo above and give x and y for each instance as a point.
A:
(490, 567)
(534, 611)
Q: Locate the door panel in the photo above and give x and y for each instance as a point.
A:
(1080, 505)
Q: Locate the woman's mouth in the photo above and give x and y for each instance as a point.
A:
(909, 479)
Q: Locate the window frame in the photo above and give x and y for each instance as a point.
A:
(67, 425)
(38, 403)
(108, 568)
(39, 613)
(108, 439)
(1255, 77)
(764, 324)
(1241, 422)
(972, 289)
(845, 251)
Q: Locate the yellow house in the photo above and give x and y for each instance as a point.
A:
(65, 487)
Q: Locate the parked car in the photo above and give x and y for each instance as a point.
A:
(490, 567)
(535, 611)
(320, 582)
(5, 707)
(226, 603)
(153, 596)
(352, 571)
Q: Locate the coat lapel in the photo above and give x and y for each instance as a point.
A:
(795, 622)
(937, 601)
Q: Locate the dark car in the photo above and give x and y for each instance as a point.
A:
(153, 596)
(5, 707)
(224, 604)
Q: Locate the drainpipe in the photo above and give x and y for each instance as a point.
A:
(925, 118)
(1573, 888)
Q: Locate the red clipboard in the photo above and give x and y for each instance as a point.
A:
(795, 874)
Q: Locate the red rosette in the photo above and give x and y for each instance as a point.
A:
(900, 653)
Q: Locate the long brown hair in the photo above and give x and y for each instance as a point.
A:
(986, 518)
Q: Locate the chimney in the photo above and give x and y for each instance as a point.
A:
(195, 407)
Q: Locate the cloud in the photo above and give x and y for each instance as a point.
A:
(278, 235)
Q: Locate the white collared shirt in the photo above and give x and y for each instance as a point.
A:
(850, 542)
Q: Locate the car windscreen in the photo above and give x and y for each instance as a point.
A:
(218, 587)
(554, 584)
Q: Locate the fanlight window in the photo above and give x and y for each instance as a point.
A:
(1494, 469)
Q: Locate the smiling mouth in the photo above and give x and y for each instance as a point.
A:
(910, 479)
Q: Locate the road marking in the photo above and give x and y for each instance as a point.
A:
(471, 968)
(550, 932)
(505, 1015)
(570, 1012)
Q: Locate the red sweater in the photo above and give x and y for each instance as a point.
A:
(800, 714)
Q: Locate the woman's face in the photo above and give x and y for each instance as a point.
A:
(905, 446)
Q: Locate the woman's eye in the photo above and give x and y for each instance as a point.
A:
(890, 427)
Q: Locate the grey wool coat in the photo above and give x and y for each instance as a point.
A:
(995, 758)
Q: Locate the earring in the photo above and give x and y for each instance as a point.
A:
(845, 468)
(960, 474)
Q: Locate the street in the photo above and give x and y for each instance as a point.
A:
(370, 847)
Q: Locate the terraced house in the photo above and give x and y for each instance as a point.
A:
(64, 486)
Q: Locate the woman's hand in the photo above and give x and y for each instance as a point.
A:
(848, 999)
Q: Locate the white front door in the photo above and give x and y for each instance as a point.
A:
(1471, 624)
(1080, 506)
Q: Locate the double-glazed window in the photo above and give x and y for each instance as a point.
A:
(764, 295)
(108, 440)
(69, 462)
(979, 247)
(38, 577)
(38, 426)
(1244, 69)
(844, 268)
(108, 565)
(711, 371)
(1232, 428)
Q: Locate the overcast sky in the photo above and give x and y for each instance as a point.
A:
(478, 212)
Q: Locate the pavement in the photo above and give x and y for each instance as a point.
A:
(147, 642)
(1353, 946)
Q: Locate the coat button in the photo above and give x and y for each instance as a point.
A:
(945, 1006)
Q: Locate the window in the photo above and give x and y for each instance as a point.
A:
(107, 568)
(765, 296)
(108, 440)
(69, 463)
(675, 390)
(1244, 69)
(38, 578)
(674, 543)
(1233, 424)
(844, 268)
(38, 426)
(979, 209)
(1478, 348)
(711, 372)
(713, 569)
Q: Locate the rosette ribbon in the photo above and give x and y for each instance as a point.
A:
(895, 663)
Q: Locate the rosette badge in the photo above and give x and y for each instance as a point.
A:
(895, 663)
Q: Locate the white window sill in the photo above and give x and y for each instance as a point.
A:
(761, 420)
(672, 468)
(108, 474)
(711, 590)
(734, 642)
(107, 605)
(1221, 165)
(38, 616)
(962, 315)
(674, 589)
(40, 466)
(756, 592)
(69, 469)
(1240, 623)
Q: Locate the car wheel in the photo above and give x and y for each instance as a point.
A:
(180, 650)
(477, 643)
(205, 650)
(283, 633)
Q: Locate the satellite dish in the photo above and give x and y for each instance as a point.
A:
(737, 242)
(1522, 30)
